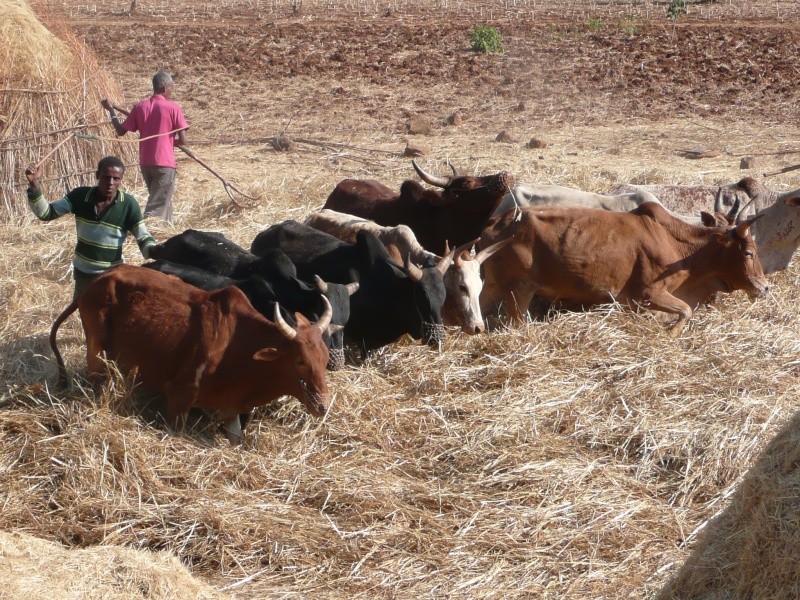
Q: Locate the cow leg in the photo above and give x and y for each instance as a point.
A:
(179, 400)
(668, 303)
(233, 430)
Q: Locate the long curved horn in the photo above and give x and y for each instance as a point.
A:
(740, 216)
(718, 201)
(731, 214)
(414, 272)
(322, 286)
(441, 182)
(741, 228)
(487, 252)
(288, 332)
(325, 319)
(352, 288)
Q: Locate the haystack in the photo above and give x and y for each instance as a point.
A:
(36, 569)
(750, 550)
(51, 84)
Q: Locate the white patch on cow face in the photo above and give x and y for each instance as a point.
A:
(463, 288)
(198, 375)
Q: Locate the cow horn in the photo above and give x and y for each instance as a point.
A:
(441, 182)
(452, 168)
(731, 214)
(445, 262)
(458, 257)
(718, 201)
(414, 272)
(487, 252)
(325, 319)
(740, 216)
(288, 332)
(321, 285)
(352, 288)
(741, 228)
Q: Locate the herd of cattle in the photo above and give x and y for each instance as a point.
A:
(224, 329)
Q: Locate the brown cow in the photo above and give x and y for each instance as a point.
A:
(644, 257)
(209, 350)
(454, 215)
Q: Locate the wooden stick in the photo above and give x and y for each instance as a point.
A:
(783, 170)
(226, 185)
(56, 147)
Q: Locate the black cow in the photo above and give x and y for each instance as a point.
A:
(390, 301)
(270, 278)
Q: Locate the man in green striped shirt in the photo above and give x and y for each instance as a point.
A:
(104, 215)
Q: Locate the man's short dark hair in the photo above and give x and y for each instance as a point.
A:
(161, 80)
(110, 161)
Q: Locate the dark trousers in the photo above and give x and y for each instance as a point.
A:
(82, 281)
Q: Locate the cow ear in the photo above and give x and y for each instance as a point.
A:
(708, 219)
(792, 200)
(268, 354)
(301, 319)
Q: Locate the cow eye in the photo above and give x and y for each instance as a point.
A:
(462, 289)
(748, 254)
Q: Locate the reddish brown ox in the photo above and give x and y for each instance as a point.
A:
(456, 214)
(589, 256)
(209, 350)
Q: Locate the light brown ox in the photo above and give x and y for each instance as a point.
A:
(209, 350)
(462, 279)
(644, 257)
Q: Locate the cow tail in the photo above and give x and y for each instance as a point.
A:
(62, 370)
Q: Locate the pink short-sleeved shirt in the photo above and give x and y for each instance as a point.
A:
(151, 117)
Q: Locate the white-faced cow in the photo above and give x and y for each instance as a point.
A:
(556, 195)
(462, 279)
(777, 231)
(453, 215)
(209, 350)
(588, 256)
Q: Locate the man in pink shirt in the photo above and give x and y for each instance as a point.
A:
(161, 125)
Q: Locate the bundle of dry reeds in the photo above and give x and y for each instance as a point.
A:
(50, 89)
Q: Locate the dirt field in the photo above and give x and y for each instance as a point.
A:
(578, 458)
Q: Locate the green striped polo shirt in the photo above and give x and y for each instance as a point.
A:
(100, 239)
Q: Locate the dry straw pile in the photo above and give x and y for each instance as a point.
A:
(50, 89)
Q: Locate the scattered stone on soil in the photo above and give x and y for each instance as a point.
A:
(536, 143)
(413, 149)
(748, 162)
(455, 119)
(504, 137)
(419, 126)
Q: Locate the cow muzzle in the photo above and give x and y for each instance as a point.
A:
(316, 403)
(759, 288)
(434, 334)
(335, 359)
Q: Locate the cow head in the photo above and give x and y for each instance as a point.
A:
(305, 357)
(459, 188)
(741, 268)
(338, 296)
(463, 286)
(777, 231)
(429, 295)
